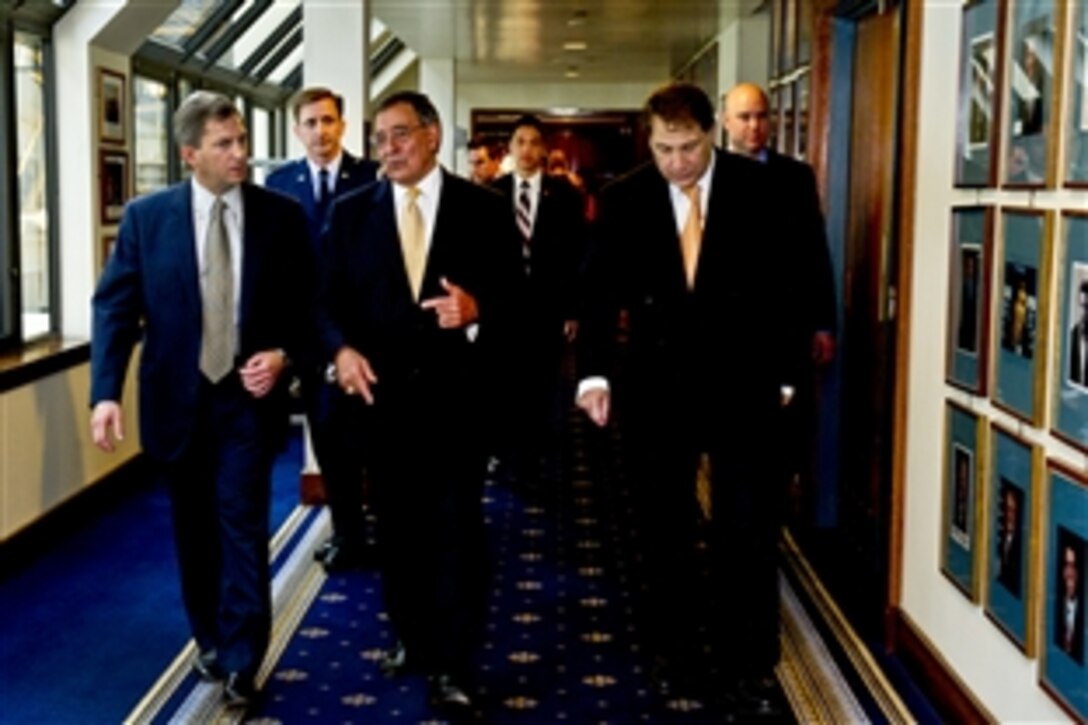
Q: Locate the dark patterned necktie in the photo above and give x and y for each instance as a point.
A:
(321, 197)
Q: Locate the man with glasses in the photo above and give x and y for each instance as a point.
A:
(689, 245)
(328, 172)
(417, 298)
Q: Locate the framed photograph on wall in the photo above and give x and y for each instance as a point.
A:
(105, 250)
(1063, 672)
(1011, 515)
(112, 184)
(977, 129)
(1070, 414)
(1020, 344)
(968, 298)
(112, 106)
(963, 478)
(1076, 172)
(1032, 62)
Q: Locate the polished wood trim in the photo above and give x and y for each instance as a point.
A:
(39, 360)
(948, 693)
(911, 85)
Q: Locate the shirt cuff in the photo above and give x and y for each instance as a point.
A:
(472, 331)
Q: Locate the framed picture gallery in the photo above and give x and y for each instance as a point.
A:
(1011, 512)
(1020, 339)
(1063, 672)
(977, 129)
(111, 106)
(963, 479)
(968, 298)
(1031, 63)
(1070, 411)
(1076, 171)
(113, 184)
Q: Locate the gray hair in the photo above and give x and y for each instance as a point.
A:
(195, 111)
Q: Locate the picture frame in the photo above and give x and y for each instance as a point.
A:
(978, 109)
(971, 253)
(1070, 394)
(106, 249)
(1063, 672)
(964, 468)
(112, 107)
(1012, 540)
(113, 184)
(1076, 169)
(1021, 314)
(1032, 70)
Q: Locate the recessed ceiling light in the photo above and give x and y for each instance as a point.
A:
(578, 17)
(575, 45)
(572, 73)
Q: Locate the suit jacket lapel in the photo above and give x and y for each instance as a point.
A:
(252, 232)
(181, 220)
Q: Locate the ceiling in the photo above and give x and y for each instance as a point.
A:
(515, 41)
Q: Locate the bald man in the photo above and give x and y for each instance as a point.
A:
(746, 123)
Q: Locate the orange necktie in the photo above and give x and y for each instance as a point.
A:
(691, 237)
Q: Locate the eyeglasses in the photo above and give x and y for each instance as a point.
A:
(397, 134)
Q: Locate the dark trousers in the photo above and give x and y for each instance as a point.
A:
(340, 472)
(734, 589)
(426, 475)
(220, 489)
(533, 399)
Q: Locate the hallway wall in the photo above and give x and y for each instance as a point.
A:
(46, 454)
(986, 661)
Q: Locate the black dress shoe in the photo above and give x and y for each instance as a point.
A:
(238, 691)
(448, 695)
(394, 661)
(322, 551)
(206, 667)
(345, 556)
(758, 697)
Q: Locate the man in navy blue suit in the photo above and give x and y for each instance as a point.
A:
(214, 276)
(416, 299)
(326, 173)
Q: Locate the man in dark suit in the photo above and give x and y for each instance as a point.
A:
(1010, 548)
(214, 276)
(548, 213)
(416, 293)
(1069, 599)
(745, 119)
(326, 173)
(1078, 340)
(690, 246)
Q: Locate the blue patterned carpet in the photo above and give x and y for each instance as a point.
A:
(560, 645)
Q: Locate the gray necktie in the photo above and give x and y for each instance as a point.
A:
(217, 331)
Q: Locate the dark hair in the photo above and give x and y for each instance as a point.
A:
(428, 114)
(195, 111)
(314, 94)
(478, 142)
(528, 121)
(682, 103)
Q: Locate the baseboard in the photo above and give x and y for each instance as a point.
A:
(86, 504)
(947, 693)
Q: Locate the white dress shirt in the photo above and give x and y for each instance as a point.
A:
(234, 218)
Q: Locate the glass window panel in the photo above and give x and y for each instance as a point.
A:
(248, 41)
(804, 32)
(33, 149)
(261, 147)
(293, 59)
(152, 106)
(184, 21)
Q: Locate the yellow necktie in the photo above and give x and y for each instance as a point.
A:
(412, 243)
(691, 237)
(703, 488)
